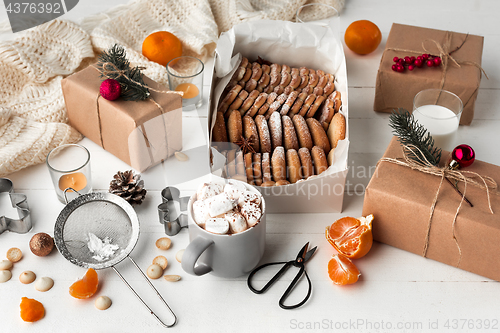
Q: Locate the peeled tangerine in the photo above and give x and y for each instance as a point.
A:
(86, 287)
(342, 271)
(31, 310)
(350, 236)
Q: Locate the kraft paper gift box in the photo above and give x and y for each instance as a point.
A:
(395, 90)
(140, 133)
(401, 198)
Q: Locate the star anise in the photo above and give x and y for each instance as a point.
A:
(263, 61)
(246, 144)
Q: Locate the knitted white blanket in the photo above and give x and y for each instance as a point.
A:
(32, 111)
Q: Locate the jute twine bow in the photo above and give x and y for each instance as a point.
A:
(108, 68)
(415, 159)
(443, 51)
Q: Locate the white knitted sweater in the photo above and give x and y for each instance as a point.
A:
(32, 111)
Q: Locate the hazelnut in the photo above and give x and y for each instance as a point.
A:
(41, 244)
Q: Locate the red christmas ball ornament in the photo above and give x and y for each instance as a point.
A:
(110, 89)
(462, 156)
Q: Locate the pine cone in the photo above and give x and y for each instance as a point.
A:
(128, 186)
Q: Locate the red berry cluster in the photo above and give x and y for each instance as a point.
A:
(412, 62)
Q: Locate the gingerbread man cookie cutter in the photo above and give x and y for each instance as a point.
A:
(167, 209)
(20, 202)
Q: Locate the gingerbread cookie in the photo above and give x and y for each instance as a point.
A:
(235, 126)
(313, 80)
(263, 129)
(238, 101)
(318, 134)
(302, 130)
(275, 130)
(307, 104)
(290, 140)
(298, 104)
(248, 101)
(289, 102)
(263, 82)
(329, 88)
(259, 102)
(265, 69)
(249, 168)
(278, 164)
(326, 113)
(250, 132)
(306, 166)
(229, 98)
(317, 103)
(319, 159)
(337, 129)
(251, 85)
(266, 168)
(293, 165)
(257, 169)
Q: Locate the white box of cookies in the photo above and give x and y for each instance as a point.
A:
(278, 117)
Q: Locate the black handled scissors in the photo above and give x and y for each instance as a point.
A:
(302, 257)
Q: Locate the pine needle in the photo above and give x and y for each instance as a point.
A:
(410, 132)
(133, 88)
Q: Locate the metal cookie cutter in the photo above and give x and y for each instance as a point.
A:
(19, 201)
(172, 222)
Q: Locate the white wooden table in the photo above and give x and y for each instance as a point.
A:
(397, 291)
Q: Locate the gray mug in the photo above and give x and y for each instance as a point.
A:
(227, 256)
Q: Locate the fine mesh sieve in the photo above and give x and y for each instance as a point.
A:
(111, 220)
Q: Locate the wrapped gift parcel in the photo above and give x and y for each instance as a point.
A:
(140, 133)
(461, 74)
(401, 199)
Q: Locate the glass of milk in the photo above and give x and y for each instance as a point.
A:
(439, 112)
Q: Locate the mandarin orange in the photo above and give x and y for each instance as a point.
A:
(351, 236)
(161, 47)
(342, 271)
(86, 287)
(362, 37)
(31, 310)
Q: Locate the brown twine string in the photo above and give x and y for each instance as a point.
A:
(423, 165)
(107, 72)
(445, 54)
(114, 70)
(99, 118)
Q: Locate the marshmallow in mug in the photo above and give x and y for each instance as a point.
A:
(217, 225)
(208, 190)
(251, 212)
(200, 212)
(226, 209)
(249, 197)
(237, 222)
(219, 204)
(234, 189)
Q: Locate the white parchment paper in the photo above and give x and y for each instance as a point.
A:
(293, 44)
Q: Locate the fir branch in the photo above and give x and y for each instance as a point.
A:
(410, 132)
(130, 78)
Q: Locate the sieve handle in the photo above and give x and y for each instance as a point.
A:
(139, 297)
(66, 190)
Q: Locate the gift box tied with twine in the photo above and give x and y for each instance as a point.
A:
(460, 70)
(415, 210)
(143, 132)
